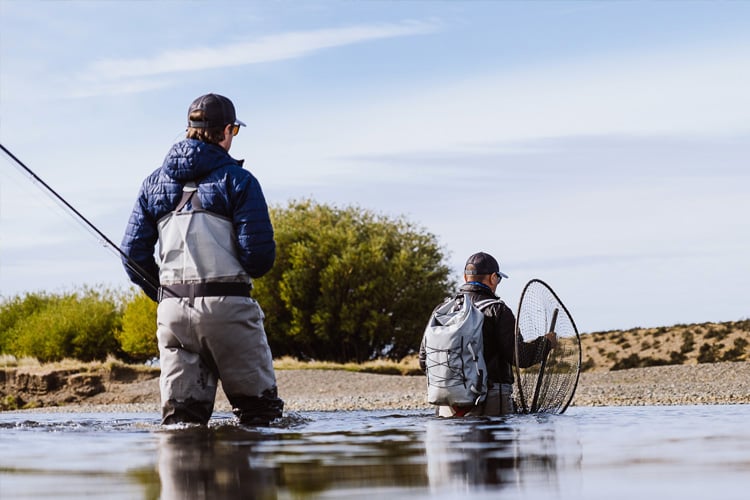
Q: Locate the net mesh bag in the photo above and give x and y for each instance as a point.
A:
(548, 385)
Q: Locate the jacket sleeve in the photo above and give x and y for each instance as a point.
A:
(137, 247)
(252, 224)
(529, 353)
(532, 353)
(502, 341)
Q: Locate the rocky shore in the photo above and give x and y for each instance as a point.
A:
(709, 383)
(325, 390)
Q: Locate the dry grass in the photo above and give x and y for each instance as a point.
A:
(407, 366)
(678, 344)
(33, 365)
(602, 351)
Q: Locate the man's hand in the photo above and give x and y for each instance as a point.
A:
(552, 339)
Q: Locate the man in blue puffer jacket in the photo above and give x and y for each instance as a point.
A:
(211, 221)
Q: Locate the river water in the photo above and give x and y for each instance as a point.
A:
(681, 452)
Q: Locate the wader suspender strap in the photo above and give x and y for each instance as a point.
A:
(193, 290)
(188, 191)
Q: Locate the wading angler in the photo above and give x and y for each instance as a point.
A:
(210, 220)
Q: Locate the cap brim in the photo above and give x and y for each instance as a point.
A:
(240, 123)
(503, 274)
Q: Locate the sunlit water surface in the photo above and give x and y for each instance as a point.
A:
(680, 452)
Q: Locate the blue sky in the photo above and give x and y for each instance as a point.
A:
(599, 146)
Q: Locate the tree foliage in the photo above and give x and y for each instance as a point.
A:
(76, 325)
(14, 311)
(138, 334)
(348, 284)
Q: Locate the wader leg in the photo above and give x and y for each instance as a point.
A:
(257, 410)
(506, 399)
(188, 387)
(184, 412)
(187, 383)
(492, 401)
(245, 364)
(499, 400)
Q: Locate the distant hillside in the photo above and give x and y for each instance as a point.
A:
(670, 345)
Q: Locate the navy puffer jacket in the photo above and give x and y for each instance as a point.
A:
(224, 188)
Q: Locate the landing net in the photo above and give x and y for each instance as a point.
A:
(548, 385)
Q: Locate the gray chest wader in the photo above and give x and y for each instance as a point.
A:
(209, 328)
(499, 401)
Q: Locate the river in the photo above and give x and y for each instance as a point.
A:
(684, 452)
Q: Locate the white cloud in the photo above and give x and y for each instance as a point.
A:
(121, 87)
(678, 93)
(266, 49)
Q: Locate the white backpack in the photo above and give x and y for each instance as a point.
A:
(456, 370)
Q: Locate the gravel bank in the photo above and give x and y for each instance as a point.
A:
(714, 383)
(325, 390)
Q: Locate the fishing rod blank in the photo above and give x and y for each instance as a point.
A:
(85, 222)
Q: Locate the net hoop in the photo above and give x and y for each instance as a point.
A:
(549, 385)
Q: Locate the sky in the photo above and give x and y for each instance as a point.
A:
(600, 146)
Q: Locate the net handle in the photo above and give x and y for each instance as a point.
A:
(517, 369)
(545, 353)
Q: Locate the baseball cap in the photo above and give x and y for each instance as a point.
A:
(217, 109)
(482, 263)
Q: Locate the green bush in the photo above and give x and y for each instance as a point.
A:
(718, 332)
(76, 325)
(589, 364)
(138, 334)
(632, 361)
(348, 284)
(14, 311)
(737, 352)
(662, 330)
(709, 353)
(688, 342)
(677, 358)
(635, 361)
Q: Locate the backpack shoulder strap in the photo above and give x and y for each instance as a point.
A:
(484, 304)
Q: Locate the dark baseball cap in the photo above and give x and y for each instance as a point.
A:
(217, 110)
(482, 263)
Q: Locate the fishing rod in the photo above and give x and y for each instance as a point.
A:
(137, 269)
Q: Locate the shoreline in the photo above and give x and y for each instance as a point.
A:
(336, 390)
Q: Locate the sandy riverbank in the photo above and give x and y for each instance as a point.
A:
(313, 390)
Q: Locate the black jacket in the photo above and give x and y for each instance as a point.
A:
(498, 337)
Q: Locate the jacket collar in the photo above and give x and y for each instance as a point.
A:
(478, 288)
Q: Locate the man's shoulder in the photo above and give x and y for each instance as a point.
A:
(479, 293)
(233, 172)
(492, 306)
(159, 181)
(490, 302)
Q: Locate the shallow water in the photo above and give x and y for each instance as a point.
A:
(591, 453)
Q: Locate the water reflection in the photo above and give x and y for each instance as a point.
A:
(200, 462)
(462, 454)
(518, 452)
(230, 461)
(588, 453)
(417, 454)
